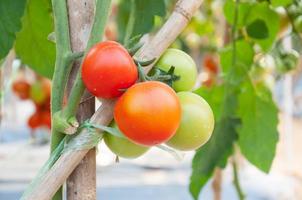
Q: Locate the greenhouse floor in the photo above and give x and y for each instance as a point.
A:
(157, 175)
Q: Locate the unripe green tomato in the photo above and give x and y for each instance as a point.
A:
(123, 147)
(298, 24)
(197, 123)
(185, 67)
(37, 93)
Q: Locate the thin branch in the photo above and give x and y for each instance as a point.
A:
(236, 181)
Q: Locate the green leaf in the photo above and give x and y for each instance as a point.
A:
(243, 11)
(145, 12)
(122, 18)
(277, 3)
(244, 53)
(32, 45)
(258, 135)
(257, 29)
(219, 148)
(262, 11)
(10, 23)
(212, 154)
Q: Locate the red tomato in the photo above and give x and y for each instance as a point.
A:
(21, 89)
(210, 64)
(46, 119)
(34, 121)
(148, 113)
(107, 69)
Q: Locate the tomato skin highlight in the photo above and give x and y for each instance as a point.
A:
(197, 123)
(123, 147)
(185, 67)
(108, 68)
(148, 113)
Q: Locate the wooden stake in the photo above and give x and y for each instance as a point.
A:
(64, 166)
(81, 14)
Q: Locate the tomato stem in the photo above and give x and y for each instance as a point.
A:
(131, 23)
(236, 182)
(100, 19)
(62, 67)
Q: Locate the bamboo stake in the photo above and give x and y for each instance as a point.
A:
(81, 14)
(56, 176)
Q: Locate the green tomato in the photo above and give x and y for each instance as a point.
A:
(185, 67)
(197, 123)
(123, 147)
(37, 93)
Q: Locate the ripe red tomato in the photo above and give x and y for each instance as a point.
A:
(46, 119)
(34, 120)
(21, 89)
(107, 69)
(148, 113)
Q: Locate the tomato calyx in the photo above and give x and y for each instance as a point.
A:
(157, 74)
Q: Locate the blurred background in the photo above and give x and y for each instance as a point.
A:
(25, 120)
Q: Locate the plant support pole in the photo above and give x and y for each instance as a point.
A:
(67, 162)
(81, 13)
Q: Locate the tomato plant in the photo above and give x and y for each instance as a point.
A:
(239, 89)
(108, 69)
(197, 123)
(148, 113)
(185, 67)
(122, 146)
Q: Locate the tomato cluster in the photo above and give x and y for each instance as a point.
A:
(39, 93)
(148, 113)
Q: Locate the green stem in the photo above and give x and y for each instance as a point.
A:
(62, 68)
(234, 65)
(236, 182)
(100, 19)
(131, 23)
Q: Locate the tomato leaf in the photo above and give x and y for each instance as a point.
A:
(244, 58)
(277, 3)
(257, 29)
(258, 133)
(262, 11)
(145, 13)
(215, 152)
(10, 23)
(32, 45)
(212, 154)
(243, 11)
